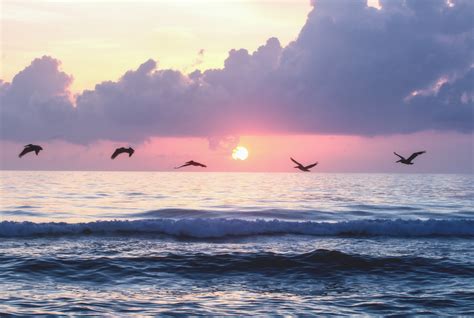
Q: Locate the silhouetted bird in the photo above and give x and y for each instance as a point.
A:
(30, 148)
(192, 163)
(120, 150)
(409, 160)
(303, 168)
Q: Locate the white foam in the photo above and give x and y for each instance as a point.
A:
(216, 228)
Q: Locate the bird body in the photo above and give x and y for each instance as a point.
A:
(29, 148)
(303, 168)
(121, 150)
(408, 161)
(192, 163)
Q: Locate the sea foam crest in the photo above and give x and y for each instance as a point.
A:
(217, 228)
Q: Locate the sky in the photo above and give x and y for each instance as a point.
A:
(344, 83)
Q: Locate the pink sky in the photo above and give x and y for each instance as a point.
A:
(267, 153)
(327, 81)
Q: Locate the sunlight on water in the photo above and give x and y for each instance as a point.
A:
(87, 196)
(236, 244)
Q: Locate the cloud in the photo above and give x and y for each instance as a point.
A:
(198, 61)
(37, 103)
(353, 69)
(223, 143)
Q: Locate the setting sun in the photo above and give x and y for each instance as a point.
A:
(240, 153)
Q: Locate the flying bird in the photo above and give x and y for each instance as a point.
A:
(409, 160)
(121, 150)
(192, 163)
(303, 168)
(29, 148)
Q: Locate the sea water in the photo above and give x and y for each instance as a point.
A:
(125, 243)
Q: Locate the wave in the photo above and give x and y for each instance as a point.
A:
(383, 207)
(251, 214)
(317, 262)
(221, 228)
(20, 213)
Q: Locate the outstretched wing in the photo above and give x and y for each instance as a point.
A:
(185, 165)
(201, 165)
(416, 154)
(299, 164)
(24, 152)
(311, 166)
(396, 154)
(117, 152)
(131, 152)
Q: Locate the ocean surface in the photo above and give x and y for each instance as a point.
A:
(146, 243)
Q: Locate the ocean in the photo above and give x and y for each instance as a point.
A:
(185, 243)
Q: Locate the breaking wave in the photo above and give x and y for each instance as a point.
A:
(221, 228)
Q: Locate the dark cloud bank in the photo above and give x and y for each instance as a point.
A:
(352, 70)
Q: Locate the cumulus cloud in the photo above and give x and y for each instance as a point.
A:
(37, 103)
(352, 70)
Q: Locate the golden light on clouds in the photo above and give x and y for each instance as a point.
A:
(100, 40)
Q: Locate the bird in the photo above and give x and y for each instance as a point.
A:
(120, 150)
(192, 163)
(409, 160)
(29, 148)
(303, 168)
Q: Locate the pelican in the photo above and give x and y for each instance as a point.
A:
(29, 148)
(192, 163)
(120, 150)
(303, 168)
(409, 160)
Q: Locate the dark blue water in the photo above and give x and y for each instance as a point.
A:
(311, 246)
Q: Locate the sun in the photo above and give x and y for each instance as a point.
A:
(240, 153)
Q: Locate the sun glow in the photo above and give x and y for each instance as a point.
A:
(240, 153)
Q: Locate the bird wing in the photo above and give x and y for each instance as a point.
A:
(201, 165)
(311, 166)
(416, 154)
(182, 166)
(396, 154)
(131, 152)
(24, 152)
(299, 164)
(37, 151)
(117, 152)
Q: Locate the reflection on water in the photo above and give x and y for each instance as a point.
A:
(86, 196)
(241, 276)
(236, 244)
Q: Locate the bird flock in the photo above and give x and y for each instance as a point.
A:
(36, 148)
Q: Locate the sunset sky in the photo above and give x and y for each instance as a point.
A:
(344, 83)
